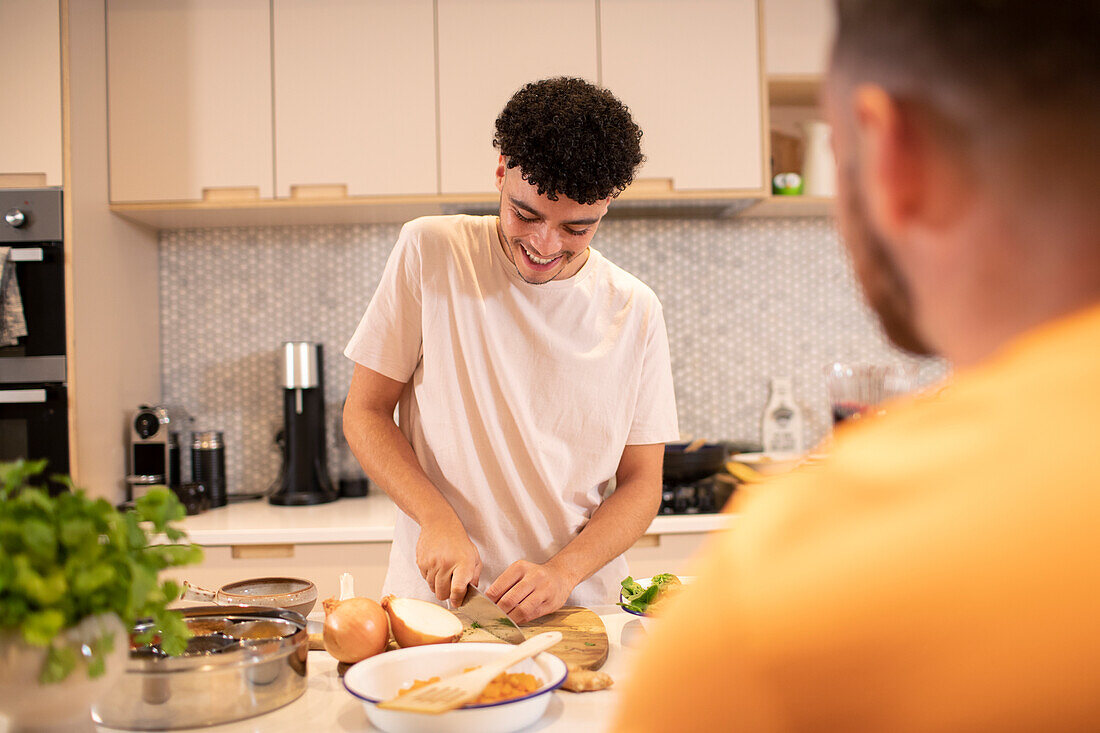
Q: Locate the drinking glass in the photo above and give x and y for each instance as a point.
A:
(856, 390)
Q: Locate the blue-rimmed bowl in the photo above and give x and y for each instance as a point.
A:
(380, 677)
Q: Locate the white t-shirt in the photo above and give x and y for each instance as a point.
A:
(519, 398)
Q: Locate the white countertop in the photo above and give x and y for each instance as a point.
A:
(368, 519)
(327, 706)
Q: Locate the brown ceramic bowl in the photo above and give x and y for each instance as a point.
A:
(291, 594)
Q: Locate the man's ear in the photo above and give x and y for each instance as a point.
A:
(892, 166)
(502, 166)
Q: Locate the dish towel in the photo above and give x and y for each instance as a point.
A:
(12, 323)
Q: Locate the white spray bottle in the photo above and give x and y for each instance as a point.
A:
(782, 423)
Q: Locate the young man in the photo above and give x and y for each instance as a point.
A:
(940, 572)
(528, 371)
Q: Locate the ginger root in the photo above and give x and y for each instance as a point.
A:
(586, 680)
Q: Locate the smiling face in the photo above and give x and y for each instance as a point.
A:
(545, 240)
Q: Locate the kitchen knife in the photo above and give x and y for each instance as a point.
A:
(484, 614)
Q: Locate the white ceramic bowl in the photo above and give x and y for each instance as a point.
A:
(380, 677)
(645, 618)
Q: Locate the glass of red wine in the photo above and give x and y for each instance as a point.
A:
(857, 390)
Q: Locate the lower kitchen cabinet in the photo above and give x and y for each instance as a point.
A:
(664, 553)
(323, 563)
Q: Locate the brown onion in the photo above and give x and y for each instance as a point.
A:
(355, 629)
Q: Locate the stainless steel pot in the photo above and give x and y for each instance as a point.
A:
(233, 680)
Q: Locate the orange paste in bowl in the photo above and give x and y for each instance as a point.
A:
(505, 686)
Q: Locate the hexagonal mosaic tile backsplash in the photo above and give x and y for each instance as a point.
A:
(744, 300)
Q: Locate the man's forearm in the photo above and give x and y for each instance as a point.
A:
(445, 556)
(388, 459)
(614, 527)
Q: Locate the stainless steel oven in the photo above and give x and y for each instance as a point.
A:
(33, 395)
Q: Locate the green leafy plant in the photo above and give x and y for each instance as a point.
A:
(67, 557)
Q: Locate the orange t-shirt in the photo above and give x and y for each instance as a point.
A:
(939, 572)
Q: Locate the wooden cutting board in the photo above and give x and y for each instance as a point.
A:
(584, 638)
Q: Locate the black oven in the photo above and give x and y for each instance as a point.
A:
(33, 397)
(34, 423)
(31, 228)
(39, 270)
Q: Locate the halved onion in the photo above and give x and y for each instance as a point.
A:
(416, 622)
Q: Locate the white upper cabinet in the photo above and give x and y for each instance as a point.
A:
(355, 96)
(30, 123)
(798, 36)
(189, 95)
(224, 99)
(690, 72)
(487, 50)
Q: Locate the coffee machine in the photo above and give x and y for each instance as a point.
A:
(156, 448)
(303, 478)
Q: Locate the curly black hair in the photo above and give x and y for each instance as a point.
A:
(570, 138)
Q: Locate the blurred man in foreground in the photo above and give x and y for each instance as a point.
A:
(941, 572)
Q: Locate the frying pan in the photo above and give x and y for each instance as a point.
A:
(682, 467)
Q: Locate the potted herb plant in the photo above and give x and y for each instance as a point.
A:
(75, 574)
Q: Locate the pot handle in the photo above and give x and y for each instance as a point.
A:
(195, 593)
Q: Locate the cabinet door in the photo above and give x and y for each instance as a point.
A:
(30, 55)
(189, 97)
(798, 36)
(355, 95)
(321, 563)
(487, 50)
(690, 72)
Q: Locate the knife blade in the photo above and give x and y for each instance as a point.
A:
(484, 614)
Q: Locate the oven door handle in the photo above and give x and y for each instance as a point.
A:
(21, 396)
(25, 254)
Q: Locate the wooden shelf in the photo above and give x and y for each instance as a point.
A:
(647, 200)
(795, 90)
(285, 212)
(780, 206)
(792, 98)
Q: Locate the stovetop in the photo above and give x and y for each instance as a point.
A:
(706, 496)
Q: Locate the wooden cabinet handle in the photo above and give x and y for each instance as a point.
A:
(228, 193)
(651, 185)
(22, 180)
(319, 191)
(255, 552)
